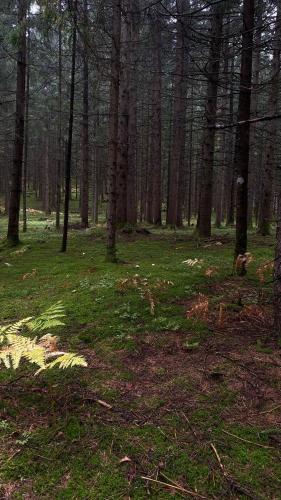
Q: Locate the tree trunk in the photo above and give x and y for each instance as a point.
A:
(46, 196)
(85, 125)
(206, 194)
(132, 212)
(68, 158)
(243, 132)
(277, 271)
(270, 151)
(230, 168)
(16, 175)
(155, 146)
(60, 143)
(179, 119)
(26, 137)
(122, 151)
(254, 131)
(113, 131)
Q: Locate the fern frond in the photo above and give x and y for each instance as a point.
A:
(14, 327)
(5, 357)
(21, 343)
(36, 356)
(22, 347)
(17, 346)
(67, 360)
(49, 319)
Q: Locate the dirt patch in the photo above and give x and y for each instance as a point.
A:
(238, 366)
(234, 371)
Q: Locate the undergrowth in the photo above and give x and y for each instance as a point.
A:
(96, 432)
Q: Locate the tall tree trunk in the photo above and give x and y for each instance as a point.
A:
(26, 137)
(46, 195)
(95, 184)
(254, 130)
(277, 270)
(132, 211)
(189, 200)
(243, 132)
(206, 195)
(123, 127)
(270, 151)
(179, 119)
(16, 176)
(73, 8)
(113, 131)
(85, 125)
(60, 142)
(155, 146)
(230, 169)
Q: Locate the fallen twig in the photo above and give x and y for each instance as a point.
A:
(232, 482)
(270, 411)
(174, 487)
(247, 440)
(218, 458)
(189, 425)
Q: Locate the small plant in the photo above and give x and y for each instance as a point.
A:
(146, 289)
(162, 323)
(222, 315)
(253, 314)
(193, 262)
(211, 271)
(190, 346)
(200, 308)
(263, 269)
(17, 345)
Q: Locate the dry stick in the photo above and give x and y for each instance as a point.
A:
(179, 486)
(270, 411)
(174, 487)
(247, 441)
(218, 458)
(189, 425)
(172, 482)
(229, 479)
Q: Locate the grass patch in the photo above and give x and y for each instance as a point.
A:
(56, 441)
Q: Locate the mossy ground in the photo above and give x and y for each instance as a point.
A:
(57, 441)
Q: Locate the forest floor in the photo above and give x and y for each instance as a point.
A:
(170, 406)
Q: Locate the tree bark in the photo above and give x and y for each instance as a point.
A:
(85, 125)
(206, 193)
(132, 209)
(243, 132)
(16, 175)
(277, 271)
(60, 142)
(254, 130)
(73, 8)
(174, 212)
(270, 148)
(155, 163)
(26, 138)
(123, 127)
(113, 132)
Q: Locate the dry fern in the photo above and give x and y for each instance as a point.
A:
(200, 308)
(144, 287)
(18, 346)
(264, 269)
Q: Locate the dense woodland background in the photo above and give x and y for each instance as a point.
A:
(140, 218)
(178, 70)
(167, 111)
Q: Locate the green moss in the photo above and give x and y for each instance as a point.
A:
(69, 447)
